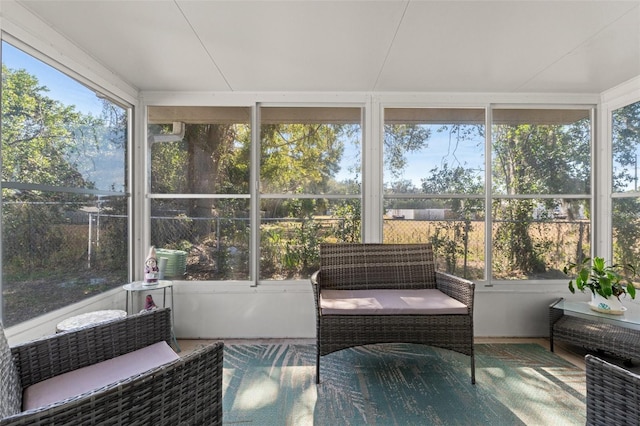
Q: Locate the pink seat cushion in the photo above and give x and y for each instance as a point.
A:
(389, 302)
(96, 376)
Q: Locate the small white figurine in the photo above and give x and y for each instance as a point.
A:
(151, 269)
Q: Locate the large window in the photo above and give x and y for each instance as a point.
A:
(434, 184)
(541, 191)
(435, 188)
(199, 181)
(626, 197)
(310, 186)
(64, 189)
(308, 174)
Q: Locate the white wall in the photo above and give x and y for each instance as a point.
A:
(286, 310)
(46, 324)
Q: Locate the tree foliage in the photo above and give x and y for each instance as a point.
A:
(530, 159)
(401, 140)
(626, 141)
(626, 220)
(48, 143)
(300, 158)
(40, 135)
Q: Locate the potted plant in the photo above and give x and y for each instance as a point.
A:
(605, 281)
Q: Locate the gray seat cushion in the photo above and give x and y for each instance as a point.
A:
(10, 387)
(96, 376)
(389, 302)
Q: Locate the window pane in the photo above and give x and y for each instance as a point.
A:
(199, 150)
(536, 238)
(626, 147)
(65, 233)
(625, 150)
(56, 131)
(211, 237)
(292, 229)
(626, 231)
(434, 151)
(310, 151)
(541, 151)
(455, 227)
(60, 251)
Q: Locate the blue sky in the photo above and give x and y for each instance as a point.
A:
(61, 87)
(468, 154)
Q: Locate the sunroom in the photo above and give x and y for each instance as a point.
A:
(237, 136)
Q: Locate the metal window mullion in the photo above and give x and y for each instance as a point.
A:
(312, 196)
(134, 133)
(602, 185)
(372, 209)
(66, 189)
(488, 185)
(539, 196)
(199, 196)
(254, 192)
(427, 196)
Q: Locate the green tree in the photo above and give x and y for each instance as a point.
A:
(59, 152)
(455, 180)
(401, 140)
(531, 159)
(43, 142)
(40, 135)
(626, 140)
(300, 158)
(626, 217)
(210, 147)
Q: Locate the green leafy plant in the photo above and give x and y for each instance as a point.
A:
(600, 277)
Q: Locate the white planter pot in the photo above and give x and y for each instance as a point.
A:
(609, 306)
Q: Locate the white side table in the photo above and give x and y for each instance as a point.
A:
(89, 318)
(138, 286)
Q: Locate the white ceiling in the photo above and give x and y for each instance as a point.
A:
(304, 45)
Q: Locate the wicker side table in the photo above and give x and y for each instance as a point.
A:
(572, 323)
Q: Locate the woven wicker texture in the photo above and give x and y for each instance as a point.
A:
(10, 389)
(398, 266)
(613, 394)
(593, 335)
(185, 391)
(370, 266)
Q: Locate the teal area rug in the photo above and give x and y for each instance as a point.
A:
(401, 384)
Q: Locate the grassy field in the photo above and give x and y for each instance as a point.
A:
(460, 248)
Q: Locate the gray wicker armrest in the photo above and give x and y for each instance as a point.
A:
(60, 353)
(613, 394)
(315, 287)
(456, 287)
(185, 391)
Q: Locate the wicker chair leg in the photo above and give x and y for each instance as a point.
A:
(473, 369)
(318, 367)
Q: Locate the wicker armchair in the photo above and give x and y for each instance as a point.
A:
(613, 394)
(187, 390)
(389, 266)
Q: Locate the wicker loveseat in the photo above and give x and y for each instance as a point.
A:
(184, 390)
(389, 293)
(613, 394)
